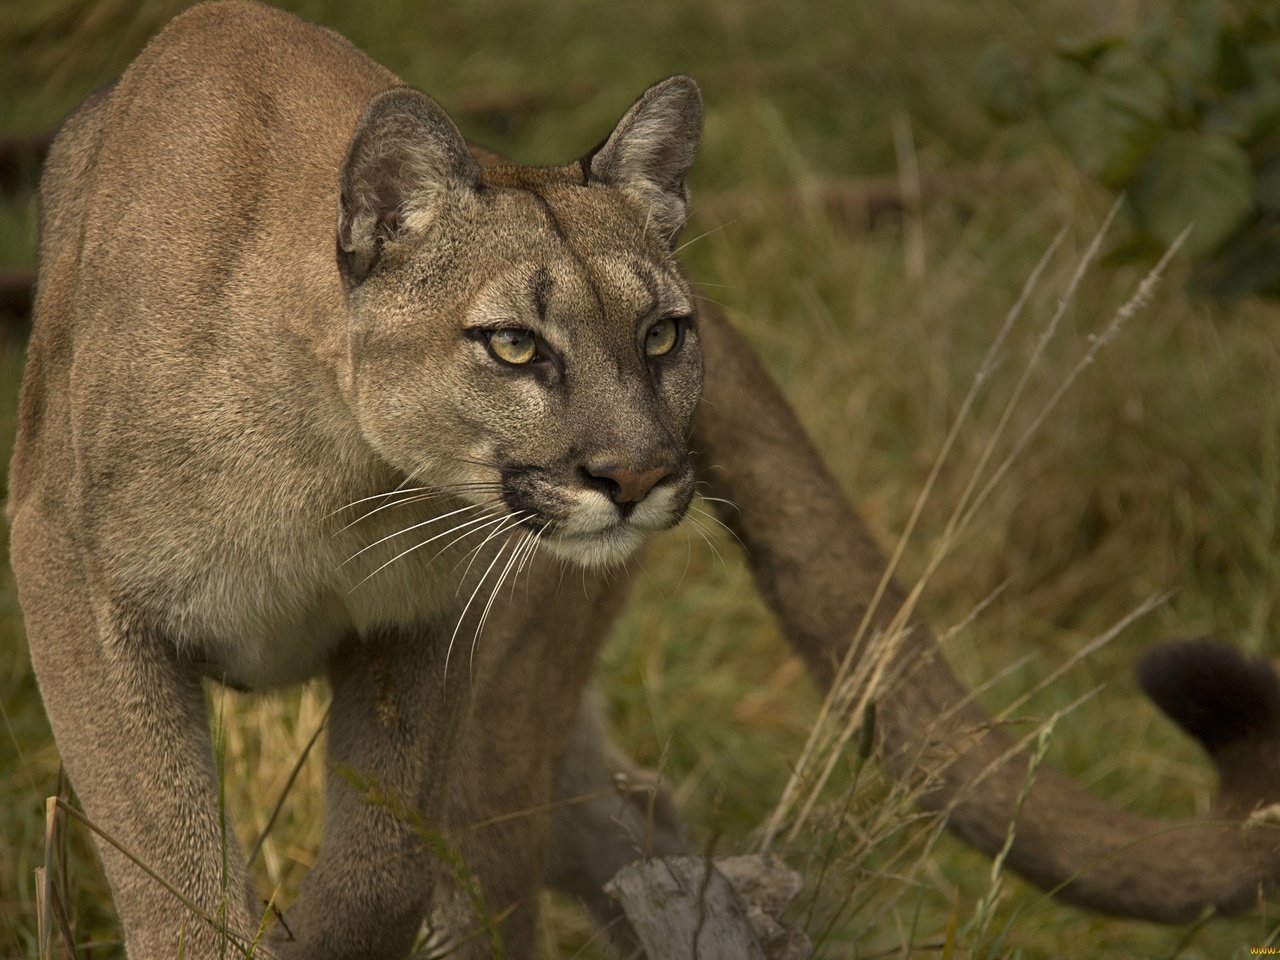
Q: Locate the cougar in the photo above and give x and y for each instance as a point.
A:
(311, 380)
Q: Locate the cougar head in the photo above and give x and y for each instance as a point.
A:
(523, 336)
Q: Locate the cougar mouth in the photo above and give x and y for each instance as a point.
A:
(586, 526)
(603, 548)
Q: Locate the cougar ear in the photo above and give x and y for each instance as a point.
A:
(406, 155)
(651, 150)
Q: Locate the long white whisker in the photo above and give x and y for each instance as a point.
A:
(376, 496)
(688, 557)
(467, 606)
(528, 558)
(463, 536)
(493, 595)
(716, 520)
(706, 233)
(416, 526)
(533, 548)
(523, 549)
(425, 497)
(728, 503)
(702, 531)
(475, 551)
(465, 523)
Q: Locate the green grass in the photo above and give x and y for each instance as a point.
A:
(1158, 474)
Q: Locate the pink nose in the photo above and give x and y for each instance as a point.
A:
(627, 485)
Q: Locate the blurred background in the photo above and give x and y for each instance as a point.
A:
(877, 182)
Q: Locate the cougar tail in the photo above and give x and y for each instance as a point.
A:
(818, 568)
(1231, 706)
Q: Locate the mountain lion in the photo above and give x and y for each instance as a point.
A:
(311, 380)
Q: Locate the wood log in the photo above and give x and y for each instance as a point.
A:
(699, 909)
(683, 908)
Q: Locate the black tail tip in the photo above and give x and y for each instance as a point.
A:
(1212, 692)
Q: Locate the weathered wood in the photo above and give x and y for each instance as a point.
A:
(767, 886)
(683, 908)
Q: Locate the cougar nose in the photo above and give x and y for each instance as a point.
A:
(625, 484)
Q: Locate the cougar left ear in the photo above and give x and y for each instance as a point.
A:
(405, 157)
(651, 150)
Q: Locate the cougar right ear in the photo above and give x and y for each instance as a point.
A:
(405, 157)
(650, 151)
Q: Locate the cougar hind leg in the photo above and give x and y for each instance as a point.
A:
(608, 813)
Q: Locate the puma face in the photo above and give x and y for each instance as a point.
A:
(523, 337)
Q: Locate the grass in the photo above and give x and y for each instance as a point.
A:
(1158, 474)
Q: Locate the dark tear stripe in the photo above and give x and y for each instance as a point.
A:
(558, 228)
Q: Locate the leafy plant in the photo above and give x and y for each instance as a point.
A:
(1183, 115)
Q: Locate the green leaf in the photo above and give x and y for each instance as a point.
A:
(1263, 55)
(1248, 116)
(1266, 189)
(1137, 248)
(1174, 54)
(1247, 264)
(1205, 35)
(1233, 71)
(1198, 180)
(1085, 48)
(1002, 84)
(1108, 116)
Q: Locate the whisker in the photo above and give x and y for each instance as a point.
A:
(688, 558)
(480, 462)
(727, 503)
(467, 606)
(463, 536)
(523, 549)
(537, 545)
(401, 493)
(425, 497)
(702, 531)
(416, 526)
(375, 496)
(537, 542)
(398, 489)
(465, 523)
(493, 595)
(716, 520)
(706, 233)
(474, 552)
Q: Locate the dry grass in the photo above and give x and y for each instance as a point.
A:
(1157, 474)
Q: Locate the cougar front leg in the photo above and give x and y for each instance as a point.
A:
(133, 733)
(392, 735)
(535, 660)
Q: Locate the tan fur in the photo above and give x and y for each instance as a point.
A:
(257, 258)
(266, 273)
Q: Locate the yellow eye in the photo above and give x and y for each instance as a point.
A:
(513, 346)
(661, 338)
